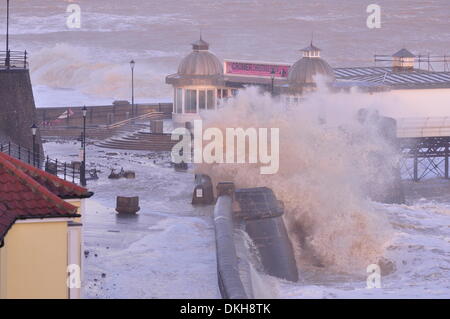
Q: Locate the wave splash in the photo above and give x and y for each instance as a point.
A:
(67, 67)
(322, 174)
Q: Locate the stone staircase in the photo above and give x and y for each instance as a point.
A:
(102, 132)
(141, 141)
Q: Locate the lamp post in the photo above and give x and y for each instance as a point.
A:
(132, 64)
(7, 60)
(272, 77)
(83, 141)
(33, 133)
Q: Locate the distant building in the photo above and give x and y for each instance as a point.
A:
(203, 81)
(40, 232)
(403, 60)
(303, 74)
(198, 84)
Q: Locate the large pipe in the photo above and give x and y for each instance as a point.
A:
(262, 214)
(230, 283)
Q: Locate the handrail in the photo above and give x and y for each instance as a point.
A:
(13, 59)
(111, 126)
(64, 170)
(130, 120)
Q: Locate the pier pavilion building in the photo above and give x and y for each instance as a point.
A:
(203, 80)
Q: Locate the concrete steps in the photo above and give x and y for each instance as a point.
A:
(141, 141)
(102, 132)
(91, 133)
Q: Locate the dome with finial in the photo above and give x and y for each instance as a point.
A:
(200, 61)
(311, 64)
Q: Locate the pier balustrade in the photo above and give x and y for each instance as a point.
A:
(10, 60)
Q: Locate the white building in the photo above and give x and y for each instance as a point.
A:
(198, 85)
(203, 79)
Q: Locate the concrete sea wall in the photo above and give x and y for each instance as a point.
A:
(17, 108)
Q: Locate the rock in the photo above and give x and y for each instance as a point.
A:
(114, 175)
(129, 174)
(180, 167)
(127, 205)
(75, 165)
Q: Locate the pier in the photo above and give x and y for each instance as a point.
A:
(425, 147)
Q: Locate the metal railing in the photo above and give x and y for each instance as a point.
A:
(67, 171)
(13, 59)
(131, 120)
(428, 59)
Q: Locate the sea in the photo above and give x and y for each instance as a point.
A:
(90, 64)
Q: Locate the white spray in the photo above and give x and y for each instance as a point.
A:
(321, 175)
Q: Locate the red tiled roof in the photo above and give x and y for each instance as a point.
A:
(21, 197)
(54, 184)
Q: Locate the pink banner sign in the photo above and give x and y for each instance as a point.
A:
(256, 69)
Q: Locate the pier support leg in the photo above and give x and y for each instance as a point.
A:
(416, 169)
(446, 162)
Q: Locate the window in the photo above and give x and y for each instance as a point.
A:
(219, 93)
(225, 93)
(174, 101)
(210, 97)
(179, 100)
(190, 101)
(202, 99)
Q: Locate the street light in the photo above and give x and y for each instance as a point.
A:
(132, 64)
(83, 144)
(272, 77)
(33, 132)
(7, 60)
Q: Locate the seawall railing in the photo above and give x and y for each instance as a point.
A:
(13, 60)
(67, 171)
